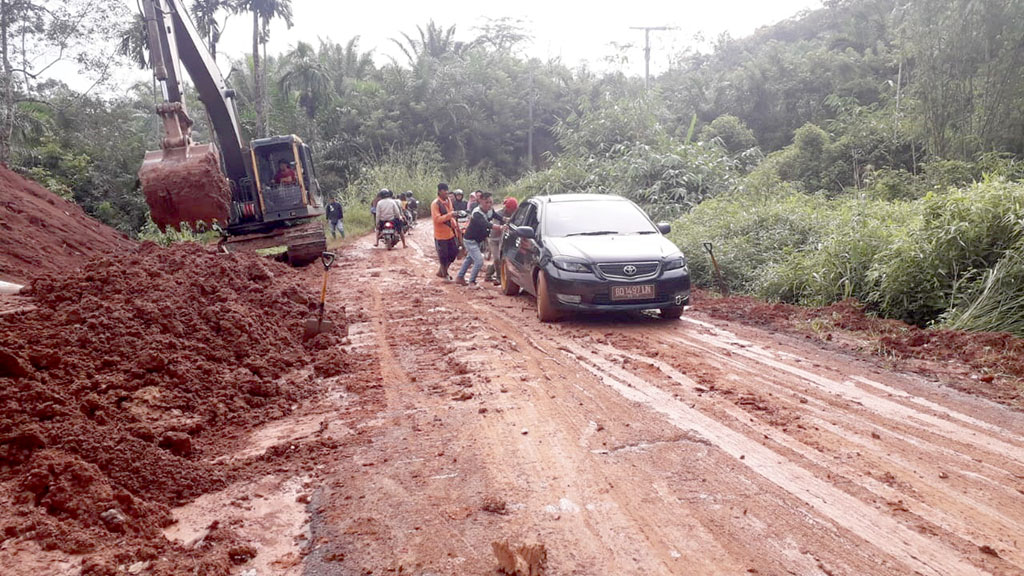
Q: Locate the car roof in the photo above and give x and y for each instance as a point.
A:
(559, 198)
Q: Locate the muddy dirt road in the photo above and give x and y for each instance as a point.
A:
(457, 426)
(632, 445)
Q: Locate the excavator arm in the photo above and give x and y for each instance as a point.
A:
(185, 181)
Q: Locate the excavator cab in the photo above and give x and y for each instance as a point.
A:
(225, 181)
(286, 184)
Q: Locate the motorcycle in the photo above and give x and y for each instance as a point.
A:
(389, 235)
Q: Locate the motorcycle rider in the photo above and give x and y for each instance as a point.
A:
(389, 210)
(413, 205)
(458, 204)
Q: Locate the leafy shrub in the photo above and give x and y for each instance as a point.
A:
(948, 249)
(731, 132)
(752, 236)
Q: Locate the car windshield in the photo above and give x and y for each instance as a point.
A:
(595, 218)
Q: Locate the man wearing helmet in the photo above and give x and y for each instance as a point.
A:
(389, 210)
(458, 204)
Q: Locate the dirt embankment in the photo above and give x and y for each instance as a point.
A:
(115, 389)
(984, 363)
(41, 232)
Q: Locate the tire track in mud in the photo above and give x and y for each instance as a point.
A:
(654, 447)
(917, 552)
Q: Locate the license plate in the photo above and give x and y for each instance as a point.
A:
(638, 292)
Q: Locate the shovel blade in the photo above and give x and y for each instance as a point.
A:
(312, 327)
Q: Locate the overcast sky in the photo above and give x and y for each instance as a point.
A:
(576, 32)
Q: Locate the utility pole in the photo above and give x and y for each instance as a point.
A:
(529, 139)
(647, 50)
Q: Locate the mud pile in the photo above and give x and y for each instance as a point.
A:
(185, 185)
(116, 389)
(41, 232)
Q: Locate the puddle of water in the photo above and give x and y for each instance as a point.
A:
(265, 513)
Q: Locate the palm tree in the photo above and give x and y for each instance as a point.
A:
(205, 13)
(133, 42)
(434, 42)
(306, 74)
(263, 11)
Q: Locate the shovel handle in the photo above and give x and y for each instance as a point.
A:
(327, 258)
(708, 247)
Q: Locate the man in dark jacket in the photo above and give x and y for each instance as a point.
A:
(479, 228)
(335, 218)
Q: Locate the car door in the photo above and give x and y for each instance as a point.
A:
(518, 249)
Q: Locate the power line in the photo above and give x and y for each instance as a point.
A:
(647, 49)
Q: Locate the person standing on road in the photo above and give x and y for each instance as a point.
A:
(509, 207)
(479, 228)
(335, 218)
(445, 232)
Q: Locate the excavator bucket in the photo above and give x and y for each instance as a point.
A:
(185, 184)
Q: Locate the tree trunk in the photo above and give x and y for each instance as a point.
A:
(6, 87)
(257, 83)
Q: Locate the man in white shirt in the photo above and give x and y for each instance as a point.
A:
(390, 210)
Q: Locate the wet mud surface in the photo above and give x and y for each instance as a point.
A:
(451, 433)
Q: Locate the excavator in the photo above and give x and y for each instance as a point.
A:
(234, 188)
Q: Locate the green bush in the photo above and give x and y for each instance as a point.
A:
(836, 265)
(752, 235)
(959, 235)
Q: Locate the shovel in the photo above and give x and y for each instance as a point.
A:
(318, 325)
(723, 288)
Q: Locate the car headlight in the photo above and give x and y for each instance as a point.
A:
(570, 265)
(674, 263)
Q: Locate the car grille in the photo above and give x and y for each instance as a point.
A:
(619, 270)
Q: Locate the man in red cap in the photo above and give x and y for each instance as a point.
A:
(508, 208)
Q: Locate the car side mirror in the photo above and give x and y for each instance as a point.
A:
(526, 232)
(664, 227)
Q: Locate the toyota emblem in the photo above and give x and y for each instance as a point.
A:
(629, 270)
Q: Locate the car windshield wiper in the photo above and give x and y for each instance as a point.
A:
(594, 233)
(648, 232)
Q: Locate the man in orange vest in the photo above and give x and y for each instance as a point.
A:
(446, 233)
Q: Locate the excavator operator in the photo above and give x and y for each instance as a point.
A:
(285, 174)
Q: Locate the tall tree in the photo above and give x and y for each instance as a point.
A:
(37, 35)
(205, 13)
(306, 75)
(263, 12)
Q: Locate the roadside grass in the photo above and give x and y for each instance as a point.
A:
(418, 170)
(952, 257)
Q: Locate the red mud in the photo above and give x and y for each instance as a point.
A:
(184, 188)
(41, 232)
(994, 362)
(114, 389)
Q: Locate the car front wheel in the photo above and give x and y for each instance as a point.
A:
(546, 311)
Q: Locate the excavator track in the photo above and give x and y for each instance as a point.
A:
(306, 247)
(304, 242)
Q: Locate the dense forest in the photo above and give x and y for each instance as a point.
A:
(869, 149)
